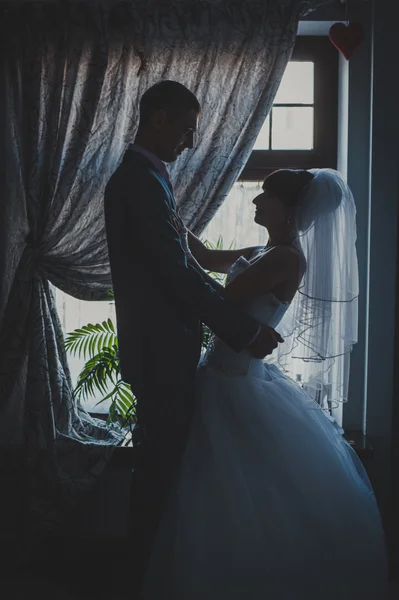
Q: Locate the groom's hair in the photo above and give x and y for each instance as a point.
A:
(171, 96)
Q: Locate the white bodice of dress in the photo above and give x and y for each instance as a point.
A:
(267, 310)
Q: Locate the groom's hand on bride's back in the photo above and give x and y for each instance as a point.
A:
(265, 342)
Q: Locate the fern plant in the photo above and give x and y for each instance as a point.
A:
(98, 344)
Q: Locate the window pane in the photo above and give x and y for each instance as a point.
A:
(292, 128)
(262, 141)
(234, 220)
(297, 85)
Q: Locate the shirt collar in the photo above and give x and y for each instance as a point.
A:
(157, 162)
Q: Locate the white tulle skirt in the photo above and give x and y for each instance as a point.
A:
(271, 503)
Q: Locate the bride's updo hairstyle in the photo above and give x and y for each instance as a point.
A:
(288, 185)
(314, 201)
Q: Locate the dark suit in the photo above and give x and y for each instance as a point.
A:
(160, 302)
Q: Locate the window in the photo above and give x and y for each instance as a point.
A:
(301, 129)
(290, 123)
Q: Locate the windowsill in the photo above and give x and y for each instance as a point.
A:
(125, 443)
(101, 416)
(123, 456)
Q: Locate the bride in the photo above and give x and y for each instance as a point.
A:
(271, 502)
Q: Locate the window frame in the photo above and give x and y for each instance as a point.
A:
(320, 51)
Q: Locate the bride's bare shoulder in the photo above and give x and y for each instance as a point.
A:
(284, 253)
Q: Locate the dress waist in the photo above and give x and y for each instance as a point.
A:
(222, 358)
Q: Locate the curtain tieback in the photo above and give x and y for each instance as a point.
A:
(33, 250)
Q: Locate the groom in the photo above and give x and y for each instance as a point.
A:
(160, 303)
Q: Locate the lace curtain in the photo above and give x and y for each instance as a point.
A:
(71, 76)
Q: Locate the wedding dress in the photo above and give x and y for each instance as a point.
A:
(271, 502)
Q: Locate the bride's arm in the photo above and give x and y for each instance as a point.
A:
(207, 278)
(280, 265)
(218, 261)
(277, 266)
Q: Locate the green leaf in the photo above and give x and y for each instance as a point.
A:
(85, 346)
(92, 345)
(76, 341)
(98, 343)
(123, 407)
(112, 412)
(108, 396)
(125, 398)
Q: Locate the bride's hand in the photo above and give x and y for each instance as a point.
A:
(185, 245)
(183, 233)
(184, 242)
(177, 222)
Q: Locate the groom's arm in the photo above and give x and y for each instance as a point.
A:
(157, 238)
(218, 261)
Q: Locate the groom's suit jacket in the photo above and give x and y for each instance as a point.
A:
(160, 299)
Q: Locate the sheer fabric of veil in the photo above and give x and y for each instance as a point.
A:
(320, 326)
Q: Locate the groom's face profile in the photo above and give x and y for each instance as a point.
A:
(174, 133)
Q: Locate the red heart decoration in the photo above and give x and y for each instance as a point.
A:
(346, 38)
